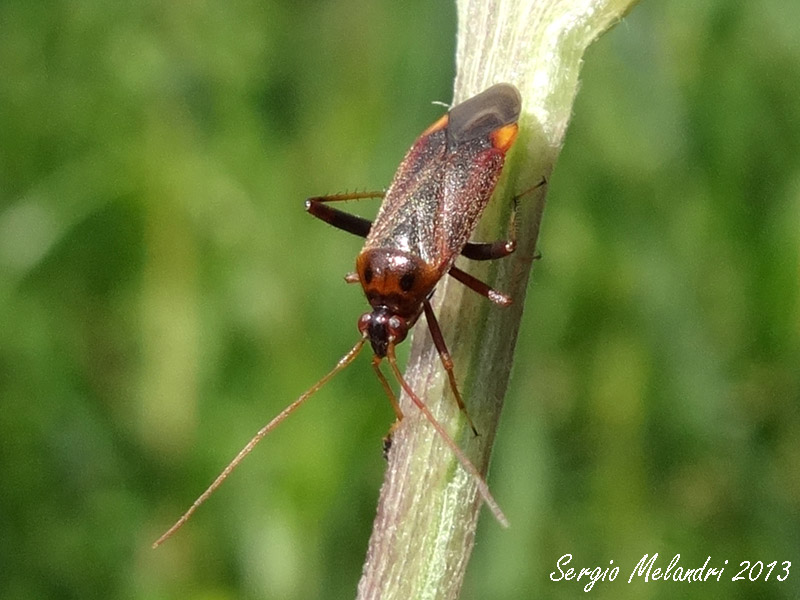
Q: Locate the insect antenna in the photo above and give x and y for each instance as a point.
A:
(343, 362)
(483, 488)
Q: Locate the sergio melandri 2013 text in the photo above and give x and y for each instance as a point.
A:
(647, 571)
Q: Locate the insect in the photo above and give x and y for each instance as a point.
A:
(424, 223)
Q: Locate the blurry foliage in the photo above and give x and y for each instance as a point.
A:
(162, 294)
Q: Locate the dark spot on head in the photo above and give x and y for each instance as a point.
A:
(367, 275)
(407, 282)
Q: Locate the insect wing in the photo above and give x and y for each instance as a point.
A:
(479, 133)
(447, 178)
(482, 115)
(407, 215)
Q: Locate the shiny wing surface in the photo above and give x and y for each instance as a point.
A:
(447, 178)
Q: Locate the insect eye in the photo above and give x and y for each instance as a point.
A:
(407, 282)
(363, 323)
(398, 328)
(367, 275)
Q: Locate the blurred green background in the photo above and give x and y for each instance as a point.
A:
(163, 294)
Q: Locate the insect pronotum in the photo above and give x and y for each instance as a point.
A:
(424, 223)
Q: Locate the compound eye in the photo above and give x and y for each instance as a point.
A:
(363, 323)
(398, 328)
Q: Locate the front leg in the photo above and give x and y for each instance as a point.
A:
(447, 361)
(338, 218)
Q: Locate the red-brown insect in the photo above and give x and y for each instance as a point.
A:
(428, 213)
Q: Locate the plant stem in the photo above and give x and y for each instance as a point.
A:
(428, 510)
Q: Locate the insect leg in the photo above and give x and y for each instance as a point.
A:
(483, 488)
(376, 362)
(489, 250)
(495, 250)
(476, 285)
(387, 440)
(338, 218)
(447, 360)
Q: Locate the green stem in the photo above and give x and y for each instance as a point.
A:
(428, 509)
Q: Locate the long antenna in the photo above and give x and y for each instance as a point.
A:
(343, 362)
(483, 488)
